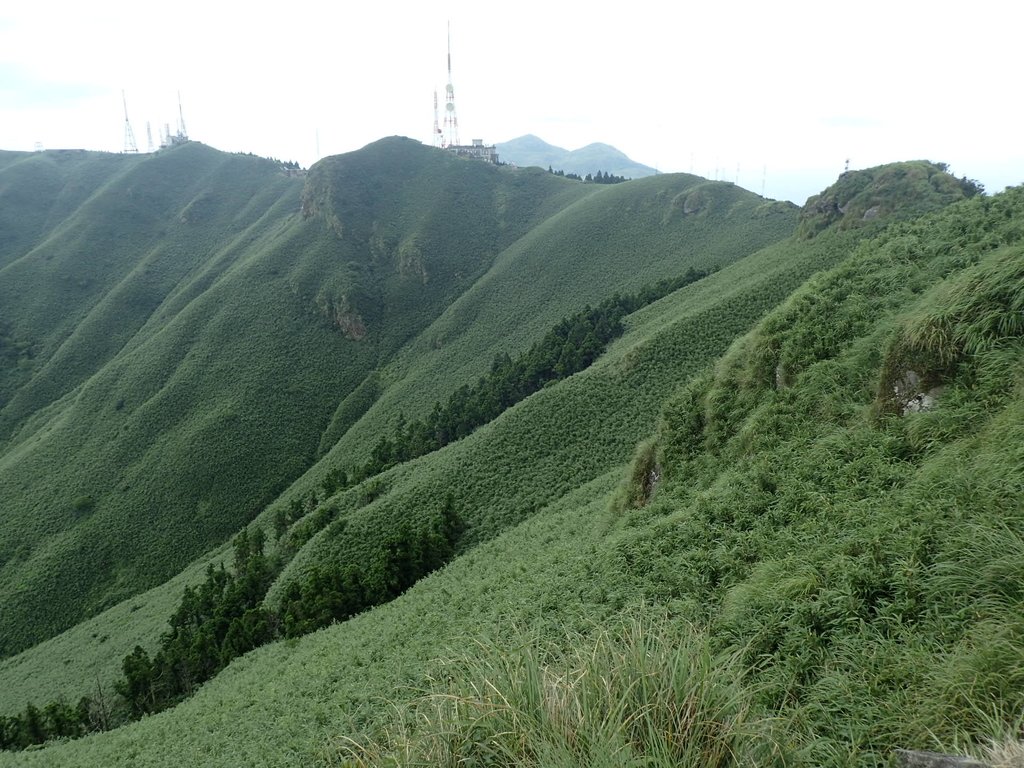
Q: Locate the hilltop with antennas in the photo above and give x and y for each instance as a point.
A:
(167, 138)
(448, 136)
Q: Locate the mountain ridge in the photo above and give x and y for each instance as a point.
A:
(531, 150)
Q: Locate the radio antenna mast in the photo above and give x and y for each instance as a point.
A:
(182, 133)
(129, 135)
(451, 122)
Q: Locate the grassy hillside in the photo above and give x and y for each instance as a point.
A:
(36, 192)
(113, 315)
(676, 242)
(793, 446)
(190, 332)
(219, 327)
(832, 517)
(686, 329)
(901, 190)
(832, 564)
(621, 238)
(39, 189)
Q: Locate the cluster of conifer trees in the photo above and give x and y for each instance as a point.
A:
(601, 177)
(334, 591)
(58, 719)
(224, 617)
(216, 622)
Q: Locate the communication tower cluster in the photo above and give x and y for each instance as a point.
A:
(167, 139)
(448, 136)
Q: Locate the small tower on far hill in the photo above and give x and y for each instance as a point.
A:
(129, 134)
(451, 120)
(182, 133)
(168, 139)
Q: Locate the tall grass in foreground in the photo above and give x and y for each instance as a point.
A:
(628, 697)
(1006, 754)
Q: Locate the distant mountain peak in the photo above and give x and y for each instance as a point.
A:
(531, 150)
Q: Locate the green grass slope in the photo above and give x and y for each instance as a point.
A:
(568, 433)
(108, 262)
(618, 239)
(505, 472)
(833, 557)
(834, 490)
(543, 449)
(190, 333)
(288, 704)
(39, 189)
(36, 191)
(672, 249)
(903, 190)
(86, 659)
(150, 377)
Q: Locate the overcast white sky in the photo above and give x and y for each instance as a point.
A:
(779, 93)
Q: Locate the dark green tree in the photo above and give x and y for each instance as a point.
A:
(138, 686)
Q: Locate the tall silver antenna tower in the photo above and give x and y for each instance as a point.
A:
(149, 137)
(182, 133)
(451, 121)
(129, 135)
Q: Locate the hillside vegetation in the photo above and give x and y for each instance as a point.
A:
(179, 372)
(184, 334)
(809, 558)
